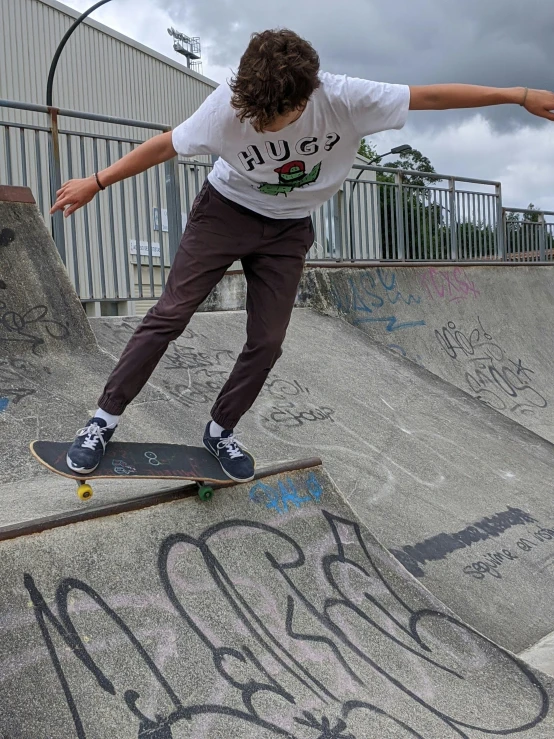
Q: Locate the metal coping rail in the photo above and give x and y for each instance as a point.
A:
(186, 490)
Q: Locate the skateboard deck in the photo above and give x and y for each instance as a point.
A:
(139, 461)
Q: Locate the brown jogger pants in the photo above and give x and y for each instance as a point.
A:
(219, 232)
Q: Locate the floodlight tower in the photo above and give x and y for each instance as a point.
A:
(188, 47)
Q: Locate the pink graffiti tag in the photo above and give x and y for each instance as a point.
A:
(448, 284)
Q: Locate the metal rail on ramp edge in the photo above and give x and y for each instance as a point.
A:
(186, 490)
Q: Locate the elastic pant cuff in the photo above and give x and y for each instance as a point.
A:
(227, 423)
(111, 406)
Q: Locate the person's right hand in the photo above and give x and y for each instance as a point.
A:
(74, 194)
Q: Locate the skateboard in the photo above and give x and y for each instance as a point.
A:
(141, 462)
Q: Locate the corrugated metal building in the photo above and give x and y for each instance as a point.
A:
(100, 70)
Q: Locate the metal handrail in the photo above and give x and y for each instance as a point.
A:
(33, 108)
(416, 173)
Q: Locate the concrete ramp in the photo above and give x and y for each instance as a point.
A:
(269, 612)
(486, 329)
(39, 309)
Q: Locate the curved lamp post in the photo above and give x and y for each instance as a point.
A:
(58, 233)
(63, 42)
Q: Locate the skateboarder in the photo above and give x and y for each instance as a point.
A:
(286, 135)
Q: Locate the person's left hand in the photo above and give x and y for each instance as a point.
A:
(541, 103)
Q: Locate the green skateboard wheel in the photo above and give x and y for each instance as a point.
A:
(205, 492)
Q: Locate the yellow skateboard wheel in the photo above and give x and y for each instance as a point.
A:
(84, 492)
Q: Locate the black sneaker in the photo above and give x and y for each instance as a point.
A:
(236, 465)
(86, 452)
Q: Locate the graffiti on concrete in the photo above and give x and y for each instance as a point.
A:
(491, 375)
(288, 404)
(317, 641)
(450, 285)
(12, 388)
(29, 328)
(372, 300)
(414, 557)
(284, 494)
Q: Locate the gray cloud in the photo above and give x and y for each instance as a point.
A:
(503, 43)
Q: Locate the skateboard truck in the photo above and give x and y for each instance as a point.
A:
(84, 491)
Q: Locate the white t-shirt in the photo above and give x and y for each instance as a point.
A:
(290, 173)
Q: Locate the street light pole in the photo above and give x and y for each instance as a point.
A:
(63, 42)
(58, 232)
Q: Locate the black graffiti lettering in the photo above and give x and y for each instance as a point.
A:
(493, 378)
(290, 416)
(474, 572)
(525, 545)
(438, 547)
(483, 569)
(266, 651)
(25, 328)
(544, 535)
(490, 564)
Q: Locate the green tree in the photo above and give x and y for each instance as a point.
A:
(421, 218)
(532, 213)
(526, 233)
(412, 160)
(367, 150)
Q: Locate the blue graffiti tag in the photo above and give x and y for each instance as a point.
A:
(368, 296)
(285, 494)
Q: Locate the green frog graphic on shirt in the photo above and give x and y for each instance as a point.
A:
(291, 176)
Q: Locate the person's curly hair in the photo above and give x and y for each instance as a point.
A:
(277, 74)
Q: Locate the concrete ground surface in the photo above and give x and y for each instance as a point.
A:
(458, 491)
(238, 618)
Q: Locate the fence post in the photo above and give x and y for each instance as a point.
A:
(338, 224)
(173, 198)
(453, 219)
(542, 237)
(500, 224)
(400, 231)
(55, 176)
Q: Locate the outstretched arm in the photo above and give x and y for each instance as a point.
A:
(76, 193)
(445, 97)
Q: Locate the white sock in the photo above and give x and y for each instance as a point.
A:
(216, 429)
(111, 421)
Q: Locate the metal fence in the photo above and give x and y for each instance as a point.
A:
(529, 235)
(121, 245)
(415, 220)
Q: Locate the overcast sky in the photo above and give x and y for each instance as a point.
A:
(504, 43)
